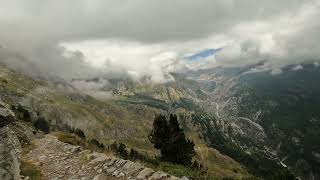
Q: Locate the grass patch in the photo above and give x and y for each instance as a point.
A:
(30, 170)
(177, 170)
(71, 139)
(83, 158)
(26, 148)
(79, 110)
(75, 140)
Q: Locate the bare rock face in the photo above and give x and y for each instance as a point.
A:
(159, 175)
(6, 115)
(10, 148)
(10, 151)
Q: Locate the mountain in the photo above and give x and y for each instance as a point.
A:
(205, 97)
(55, 105)
(244, 120)
(273, 115)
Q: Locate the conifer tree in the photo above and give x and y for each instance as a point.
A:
(170, 139)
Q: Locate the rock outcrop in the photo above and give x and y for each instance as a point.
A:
(58, 160)
(10, 148)
(10, 151)
(6, 115)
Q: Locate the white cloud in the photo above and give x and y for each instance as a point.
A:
(119, 38)
(297, 68)
(136, 59)
(98, 88)
(276, 71)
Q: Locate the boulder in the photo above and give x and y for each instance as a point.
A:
(111, 162)
(145, 173)
(120, 163)
(72, 148)
(97, 158)
(131, 168)
(110, 170)
(158, 175)
(121, 174)
(115, 173)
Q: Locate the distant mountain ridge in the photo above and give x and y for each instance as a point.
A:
(274, 113)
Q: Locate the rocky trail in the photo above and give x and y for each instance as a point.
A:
(58, 160)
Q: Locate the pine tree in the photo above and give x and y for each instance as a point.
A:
(122, 151)
(170, 139)
(159, 135)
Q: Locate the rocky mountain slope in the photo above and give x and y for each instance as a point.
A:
(57, 160)
(196, 100)
(268, 123)
(126, 118)
(250, 113)
(274, 115)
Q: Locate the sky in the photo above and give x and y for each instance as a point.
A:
(137, 38)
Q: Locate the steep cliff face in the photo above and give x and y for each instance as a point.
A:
(6, 115)
(10, 149)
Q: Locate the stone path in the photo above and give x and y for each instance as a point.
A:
(58, 160)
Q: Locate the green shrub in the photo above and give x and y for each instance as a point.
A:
(180, 170)
(42, 125)
(122, 151)
(97, 143)
(114, 146)
(22, 113)
(80, 133)
(70, 139)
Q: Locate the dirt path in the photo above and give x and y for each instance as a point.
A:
(58, 160)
